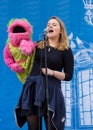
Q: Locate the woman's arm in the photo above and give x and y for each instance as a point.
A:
(68, 64)
(67, 73)
(57, 74)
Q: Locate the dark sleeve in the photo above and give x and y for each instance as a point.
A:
(68, 64)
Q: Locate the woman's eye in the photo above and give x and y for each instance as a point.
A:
(54, 24)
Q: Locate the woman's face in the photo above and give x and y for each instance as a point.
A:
(53, 27)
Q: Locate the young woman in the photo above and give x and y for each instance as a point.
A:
(34, 101)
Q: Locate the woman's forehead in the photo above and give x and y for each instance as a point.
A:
(53, 21)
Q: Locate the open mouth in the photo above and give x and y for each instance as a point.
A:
(50, 31)
(18, 29)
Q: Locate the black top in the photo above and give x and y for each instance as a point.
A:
(56, 60)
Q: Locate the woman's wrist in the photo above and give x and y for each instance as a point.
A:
(53, 73)
(58, 75)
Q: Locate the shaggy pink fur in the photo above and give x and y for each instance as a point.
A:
(15, 38)
(21, 40)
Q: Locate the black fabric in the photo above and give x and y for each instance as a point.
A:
(34, 122)
(48, 121)
(20, 120)
(33, 97)
(56, 60)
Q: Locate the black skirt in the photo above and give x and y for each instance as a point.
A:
(33, 100)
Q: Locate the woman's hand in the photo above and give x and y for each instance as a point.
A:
(57, 74)
(48, 71)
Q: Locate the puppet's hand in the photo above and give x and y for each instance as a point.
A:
(15, 67)
(27, 47)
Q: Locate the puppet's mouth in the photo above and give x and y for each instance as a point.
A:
(19, 29)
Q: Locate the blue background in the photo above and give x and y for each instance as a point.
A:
(80, 33)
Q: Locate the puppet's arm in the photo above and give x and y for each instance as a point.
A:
(9, 60)
(27, 46)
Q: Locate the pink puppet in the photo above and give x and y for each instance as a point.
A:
(19, 51)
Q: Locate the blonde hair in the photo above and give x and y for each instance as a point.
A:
(63, 39)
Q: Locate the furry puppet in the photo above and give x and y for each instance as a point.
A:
(19, 51)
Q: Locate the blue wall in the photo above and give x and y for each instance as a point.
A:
(78, 19)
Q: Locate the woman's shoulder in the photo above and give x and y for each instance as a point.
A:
(68, 52)
(67, 49)
(39, 41)
(40, 44)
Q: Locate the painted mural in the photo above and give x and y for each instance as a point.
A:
(78, 18)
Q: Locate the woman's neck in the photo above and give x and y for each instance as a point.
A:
(53, 42)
